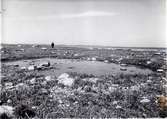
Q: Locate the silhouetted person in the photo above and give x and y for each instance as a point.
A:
(52, 45)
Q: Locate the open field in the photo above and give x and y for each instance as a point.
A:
(82, 82)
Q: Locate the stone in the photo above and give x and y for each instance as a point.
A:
(33, 80)
(43, 48)
(160, 70)
(9, 85)
(118, 107)
(32, 67)
(144, 100)
(48, 78)
(115, 102)
(65, 79)
(8, 110)
(23, 68)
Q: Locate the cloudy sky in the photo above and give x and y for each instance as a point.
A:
(85, 22)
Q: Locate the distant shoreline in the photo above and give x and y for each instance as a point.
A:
(92, 46)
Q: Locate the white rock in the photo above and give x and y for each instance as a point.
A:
(160, 70)
(48, 78)
(118, 107)
(18, 45)
(65, 79)
(9, 85)
(7, 110)
(123, 65)
(123, 69)
(106, 61)
(112, 89)
(23, 68)
(31, 68)
(43, 48)
(9, 101)
(149, 81)
(44, 83)
(44, 64)
(114, 102)
(149, 62)
(76, 55)
(145, 100)
(93, 59)
(33, 80)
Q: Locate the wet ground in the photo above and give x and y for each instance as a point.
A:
(89, 67)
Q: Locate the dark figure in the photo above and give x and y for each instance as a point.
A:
(52, 45)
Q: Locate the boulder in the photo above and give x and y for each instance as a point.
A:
(65, 79)
(6, 111)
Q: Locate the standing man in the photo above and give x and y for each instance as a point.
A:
(52, 45)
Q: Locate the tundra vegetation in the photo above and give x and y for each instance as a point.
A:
(28, 93)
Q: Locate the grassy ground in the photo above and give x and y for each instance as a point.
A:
(121, 95)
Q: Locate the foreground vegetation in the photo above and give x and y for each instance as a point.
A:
(122, 95)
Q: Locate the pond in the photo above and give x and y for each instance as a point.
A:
(89, 67)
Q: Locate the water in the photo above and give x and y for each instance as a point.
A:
(88, 67)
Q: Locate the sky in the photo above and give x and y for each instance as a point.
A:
(127, 23)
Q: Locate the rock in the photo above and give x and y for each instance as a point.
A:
(23, 68)
(32, 81)
(9, 101)
(115, 102)
(123, 69)
(43, 48)
(160, 70)
(123, 65)
(93, 58)
(93, 80)
(164, 79)
(22, 87)
(18, 45)
(112, 89)
(32, 67)
(7, 110)
(9, 85)
(45, 64)
(65, 79)
(149, 62)
(106, 61)
(118, 107)
(44, 83)
(149, 81)
(144, 100)
(44, 91)
(135, 88)
(48, 78)
(87, 89)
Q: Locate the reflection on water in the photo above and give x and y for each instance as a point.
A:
(89, 67)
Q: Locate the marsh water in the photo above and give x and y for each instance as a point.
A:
(89, 67)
